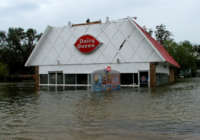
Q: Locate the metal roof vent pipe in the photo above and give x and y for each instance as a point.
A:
(69, 23)
(58, 62)
(118, 60)
(107, 19)
(88, 20)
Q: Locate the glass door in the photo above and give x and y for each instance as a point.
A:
(144, 78)
(59, 78)
(52, 78)
(56, 78)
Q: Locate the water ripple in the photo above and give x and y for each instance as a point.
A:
(170, 111)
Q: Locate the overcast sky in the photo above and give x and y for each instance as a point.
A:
(181, 17)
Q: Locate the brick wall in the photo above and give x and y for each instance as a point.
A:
(152, 74)
(171, 75)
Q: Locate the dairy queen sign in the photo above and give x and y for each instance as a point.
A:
(87, 44)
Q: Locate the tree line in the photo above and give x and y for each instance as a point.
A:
(186, 54)
(15, 47)
(17, 44)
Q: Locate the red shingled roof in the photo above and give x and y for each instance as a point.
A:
(168, 58)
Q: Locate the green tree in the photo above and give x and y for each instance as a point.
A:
(197, 57)
(162, 34)
(4, 70)
(150, 31)
(183, 53)
(16, 46)
(186, 54)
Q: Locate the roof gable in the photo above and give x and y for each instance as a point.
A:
(168, 58)
(123, 40)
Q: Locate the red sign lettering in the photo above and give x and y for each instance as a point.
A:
(87, 44)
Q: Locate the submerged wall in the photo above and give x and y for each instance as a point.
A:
(171, 75)
(152, 75)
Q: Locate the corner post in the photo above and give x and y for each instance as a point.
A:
(171, 75)
(152, 74)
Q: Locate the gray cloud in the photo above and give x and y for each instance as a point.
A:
(180, 16)
(12, 9)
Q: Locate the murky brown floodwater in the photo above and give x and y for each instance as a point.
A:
(171, 111)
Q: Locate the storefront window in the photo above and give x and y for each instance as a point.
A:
(52, 78)
(43, 78)
(81, 78)
(126, 78)
(59, 78)
(69, 78)
(162, 78)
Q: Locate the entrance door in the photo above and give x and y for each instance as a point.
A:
(55, 78)
(144, 78)
(126, 78)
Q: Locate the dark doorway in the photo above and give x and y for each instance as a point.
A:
(136, 78)
(126, 79)
(81, 78)
(144, 78)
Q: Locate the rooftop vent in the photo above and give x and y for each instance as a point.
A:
(88, 22)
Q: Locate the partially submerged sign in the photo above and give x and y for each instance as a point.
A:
(103, 81)
(87, 43)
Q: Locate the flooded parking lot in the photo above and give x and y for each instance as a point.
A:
(171, 111)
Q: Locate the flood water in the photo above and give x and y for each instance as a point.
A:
(171, 111)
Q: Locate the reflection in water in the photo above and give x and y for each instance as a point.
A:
(166, 112)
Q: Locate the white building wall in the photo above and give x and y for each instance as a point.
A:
(78, 69)
(162, 69)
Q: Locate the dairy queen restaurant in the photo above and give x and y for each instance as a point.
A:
(104, 55)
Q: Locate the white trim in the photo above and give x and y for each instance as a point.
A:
(149, 84)
(80, 85)
(88, 79)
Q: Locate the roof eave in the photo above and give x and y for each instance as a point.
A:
(173, 65)
(46, 32)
